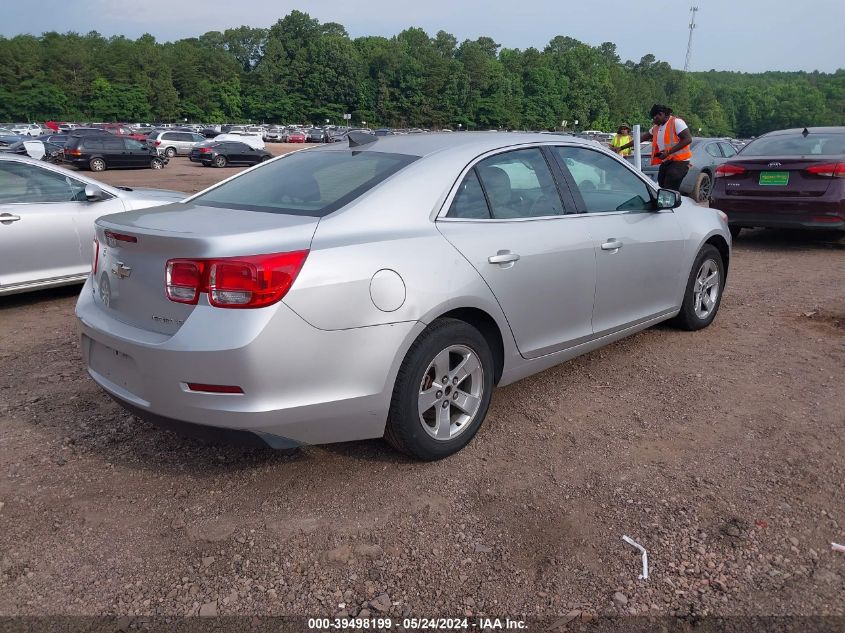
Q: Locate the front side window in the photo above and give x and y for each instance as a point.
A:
(26, 184)
(133, 144)
(313, 183)
(603, 182)
(113, 143)
(519, 184)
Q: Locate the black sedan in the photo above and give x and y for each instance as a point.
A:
(222, 153)
(316, 135)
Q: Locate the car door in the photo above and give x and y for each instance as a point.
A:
(637, 249)
(509, 220)
(45, 228)
(137, 154)
(239, 153)
(114, 151)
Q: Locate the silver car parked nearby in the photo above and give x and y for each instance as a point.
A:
(385, 287)
(171, 143)
(47, 218)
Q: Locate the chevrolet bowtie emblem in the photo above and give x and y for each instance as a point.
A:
(121, 270)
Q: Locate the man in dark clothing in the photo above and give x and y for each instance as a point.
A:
(670, 139)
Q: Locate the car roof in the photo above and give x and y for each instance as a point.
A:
(464, 142)
(812, 130)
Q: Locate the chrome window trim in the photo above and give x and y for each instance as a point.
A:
(440, 215)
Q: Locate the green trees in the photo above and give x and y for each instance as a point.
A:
(300, 70)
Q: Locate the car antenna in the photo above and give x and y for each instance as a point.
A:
(805, 132)
(357, 139)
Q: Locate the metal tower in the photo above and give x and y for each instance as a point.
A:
(693, 10)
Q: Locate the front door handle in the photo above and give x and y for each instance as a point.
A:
(8, 218)
(612, 245)
(503, 257)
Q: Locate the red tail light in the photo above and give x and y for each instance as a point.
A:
(96, 249)
(255, 281)
(196, 386)
(73, 152)
(157, 143)
(204, 150)
(831, 170)
(726, 171)
(111, 236)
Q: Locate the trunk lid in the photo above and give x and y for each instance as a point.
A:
(778, 177)
(129, 280)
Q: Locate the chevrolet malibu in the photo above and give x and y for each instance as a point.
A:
(382, 289)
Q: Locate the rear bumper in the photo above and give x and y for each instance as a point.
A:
(301, 385)
(820, 214)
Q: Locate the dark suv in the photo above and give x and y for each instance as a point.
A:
(98, 152)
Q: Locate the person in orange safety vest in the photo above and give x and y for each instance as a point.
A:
(670, 138)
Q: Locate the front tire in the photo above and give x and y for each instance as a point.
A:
(156, 163)
(442, 391)
(703, 294)
(97, 164)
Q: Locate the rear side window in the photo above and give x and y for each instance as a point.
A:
(821, 144)
(313, 183)
(469, 202)
(519, 184)
(27, 184)
(92, 143)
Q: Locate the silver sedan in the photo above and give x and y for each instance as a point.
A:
(382, 289)
(47, 218)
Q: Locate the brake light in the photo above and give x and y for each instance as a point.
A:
(831, 170)
(204, 150)
(254, 281)
(196, 386)
(96, 249)
(111, 236)
(157, 143)
(726, 171)
(73, 152)
(184, 280)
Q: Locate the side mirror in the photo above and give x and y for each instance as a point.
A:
(668, 199)
(94, 194)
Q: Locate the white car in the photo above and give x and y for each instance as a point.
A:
(27, 129)
(47, 218)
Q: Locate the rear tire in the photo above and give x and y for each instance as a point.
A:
(703, 294)
(703, 187)
(97, 164)
(457, 406)
(170, 152)
(220, 161)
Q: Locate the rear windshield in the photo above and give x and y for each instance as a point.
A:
(313, 183)
(796, 145)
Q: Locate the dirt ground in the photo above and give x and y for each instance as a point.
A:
(721, 451)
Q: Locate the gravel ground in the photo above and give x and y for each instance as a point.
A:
(720, 451)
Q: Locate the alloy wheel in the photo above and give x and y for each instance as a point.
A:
(451, 392)
(706, 289)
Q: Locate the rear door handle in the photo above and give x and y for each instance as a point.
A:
(503, 257)
(9, 218)
(612, 245)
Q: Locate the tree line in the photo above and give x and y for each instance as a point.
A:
(300, 70)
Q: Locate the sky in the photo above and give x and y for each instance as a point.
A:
(741, 35)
